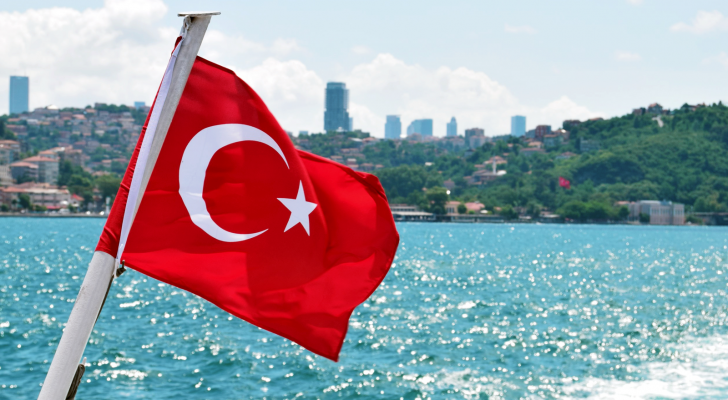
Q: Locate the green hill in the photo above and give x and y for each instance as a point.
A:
(683, 161)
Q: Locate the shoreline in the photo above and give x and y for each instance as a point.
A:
(438, 220)
(51, 215)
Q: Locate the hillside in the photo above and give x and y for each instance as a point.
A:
(683, 161)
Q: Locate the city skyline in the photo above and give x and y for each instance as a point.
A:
(512, 62)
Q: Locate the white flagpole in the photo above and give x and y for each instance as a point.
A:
(102, 267)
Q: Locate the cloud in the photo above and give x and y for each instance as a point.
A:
(627, 56)
(721, 58)
(519, 29)
(293, 93)
(562, 109)
(115, 54)
(361, 50)
(388, 85)
(704, 22)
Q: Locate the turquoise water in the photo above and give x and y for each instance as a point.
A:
(467, 312)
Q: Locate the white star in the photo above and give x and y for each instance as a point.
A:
(300, 209)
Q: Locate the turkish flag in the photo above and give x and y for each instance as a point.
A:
(286, 240)
(564, 183)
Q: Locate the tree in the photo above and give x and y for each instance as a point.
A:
(623, 213)
(462, 209)
(644, 218)
(24, 201)
(508, 213)
(108, 185)
(403, 180)
(437, 197)
(533, 209)
(574, 209)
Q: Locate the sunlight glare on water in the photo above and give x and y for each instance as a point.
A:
(467, 312)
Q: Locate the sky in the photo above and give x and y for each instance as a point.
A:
(480, 62)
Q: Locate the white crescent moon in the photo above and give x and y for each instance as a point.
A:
(193, 169)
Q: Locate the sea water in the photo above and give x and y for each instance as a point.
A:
(468, 311)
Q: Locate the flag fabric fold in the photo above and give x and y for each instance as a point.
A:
(284, 239)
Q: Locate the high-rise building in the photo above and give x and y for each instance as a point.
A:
(518, 125)
(393, 127)
(421, 126)
(302, 133)
(336, 114)
(351, 124)
(452, 127)
(139, 104)
(19, 94)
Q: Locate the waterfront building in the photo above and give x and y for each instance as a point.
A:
(19, 94)
(42, 194)
(405, 212)
(336, 113)
(659, 212)
(393, 127)
(421, 126)
(452, 127)
(518, 125)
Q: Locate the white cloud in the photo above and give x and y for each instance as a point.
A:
(627, 56)
(391, 86)
(117, 54)
(519, 29)
(361, 50)
(562, 109)
(704, 22)
(114, 54)
(293, 93)
(721, 58)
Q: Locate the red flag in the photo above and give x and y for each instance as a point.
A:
(564, 183)
(284, 239)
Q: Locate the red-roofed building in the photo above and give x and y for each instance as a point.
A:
(47, 168)
(42, 194)
(24, 170)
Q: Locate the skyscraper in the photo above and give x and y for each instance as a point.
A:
(421, 126)
(336, 114)
(518, 125)
(393, 127)
(19, 94)
(452, 127)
